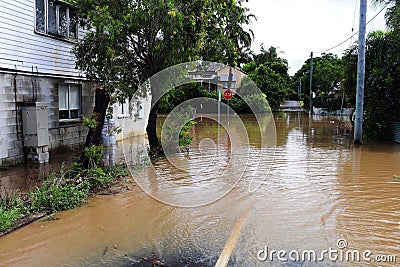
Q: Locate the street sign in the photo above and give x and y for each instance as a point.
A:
(228, 94)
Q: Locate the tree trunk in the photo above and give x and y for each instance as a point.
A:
(151, 130)
(93, 137)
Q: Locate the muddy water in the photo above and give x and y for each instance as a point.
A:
(24, 178)
(320, 189)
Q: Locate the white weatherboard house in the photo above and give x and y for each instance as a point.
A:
(42, 95)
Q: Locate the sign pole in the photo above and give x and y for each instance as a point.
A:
(219, 115)
(228, 111)
(229, 88)
(228, 95)
(311, 79)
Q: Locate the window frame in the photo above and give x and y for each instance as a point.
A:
(224, 79)
(225, 85)
(68, 10)
(79, 86)
(124, 109)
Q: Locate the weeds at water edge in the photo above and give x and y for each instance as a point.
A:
(62, 190)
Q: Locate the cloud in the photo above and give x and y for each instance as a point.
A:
(299, 27)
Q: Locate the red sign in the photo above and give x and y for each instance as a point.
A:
(228, 94)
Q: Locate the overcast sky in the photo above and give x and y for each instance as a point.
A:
(298, 27)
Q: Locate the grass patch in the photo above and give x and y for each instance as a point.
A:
(4, 165)
(62, 190)
(11, 209)
(8, 216)
(57, 196)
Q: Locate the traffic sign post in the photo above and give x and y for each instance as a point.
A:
(228, 94)
(219, 116)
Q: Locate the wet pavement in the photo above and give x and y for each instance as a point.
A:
(321, 193)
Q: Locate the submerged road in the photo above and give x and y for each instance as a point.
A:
(291, 105)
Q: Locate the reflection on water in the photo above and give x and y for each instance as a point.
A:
(24, 178)
(219, 158)
(320, 189)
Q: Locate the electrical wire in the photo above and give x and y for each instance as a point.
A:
(354, 34)
(354, 21)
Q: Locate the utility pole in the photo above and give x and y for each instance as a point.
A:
(311, 74)
(230, 78)
(360, 74)
(299, 92)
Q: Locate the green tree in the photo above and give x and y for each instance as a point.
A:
(129, 41)
(328, 75)
(350, 58)
(392, 15)
(271, 58)
(382, 92)
(270, 73)
(382, 75)
(272, 84)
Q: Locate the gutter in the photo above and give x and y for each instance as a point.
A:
(41, 74)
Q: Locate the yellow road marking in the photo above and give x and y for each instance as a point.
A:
(232, 240)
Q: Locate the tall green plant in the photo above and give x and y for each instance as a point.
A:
(175, 131)
(328, 75)
(270, 73)
(130, 41)
(382, 90)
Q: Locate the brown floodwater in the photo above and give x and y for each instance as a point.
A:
(315, 191)
(24, 178)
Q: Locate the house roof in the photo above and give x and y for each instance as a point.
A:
(207, 68)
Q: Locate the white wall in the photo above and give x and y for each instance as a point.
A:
(133, 121)
(21, 47)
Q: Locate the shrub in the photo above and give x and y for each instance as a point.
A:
(64, 190)
(97, 178)
(94, 155)
(54, 195)
(8, 216)
(258, 103)
(175, 130)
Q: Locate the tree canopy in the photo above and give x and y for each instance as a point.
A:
(328, 74)
(270, 73)
(382, 72)
(128, 41)
(382, 76)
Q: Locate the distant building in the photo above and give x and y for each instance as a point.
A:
(37, 68)
(216, 76)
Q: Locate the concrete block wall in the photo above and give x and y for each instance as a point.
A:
(65, 135)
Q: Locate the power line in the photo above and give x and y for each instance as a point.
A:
(354, 16)
(354, 34)
(354, 21)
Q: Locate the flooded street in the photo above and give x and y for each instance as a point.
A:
(22, 179)
(321, 193)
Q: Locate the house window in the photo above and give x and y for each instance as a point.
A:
(56, 18)
(123, 109)
(225, 85)
(69, 99)
(139, 112)
(225, 79)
